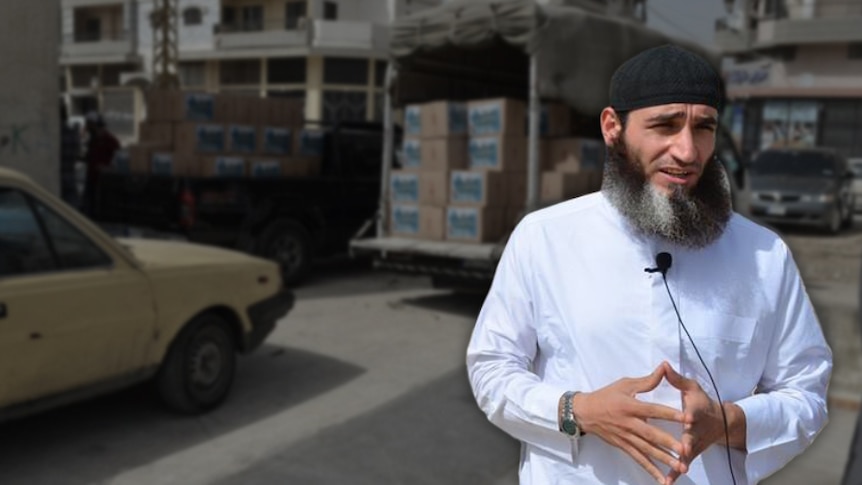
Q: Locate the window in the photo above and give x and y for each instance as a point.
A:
(242, 19)
(192, 74)
(240, 72)
(842, 126)
(379, 73)
(110, 74)
(192, 16)
(330, 11)
(338, 70)
(85, 76)
(73, 249)
(344, 106)
(294, 13)
(288, 70)
(23, 247)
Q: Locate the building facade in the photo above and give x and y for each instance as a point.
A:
(794, 73)
(331, 53)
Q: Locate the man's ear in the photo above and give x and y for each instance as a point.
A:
(611, 126)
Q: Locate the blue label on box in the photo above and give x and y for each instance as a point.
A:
(200, 107)
(230, 166)
(484, 152)
(277, 141)
(266, 168)
(412, 153)
(462, 223)
(405, 219)
(413, 120)
(405, 187)
(486, 119)
(162, 164)
(121, 162)
(311, 143)
(467, 187)
(457, 118)
(209, 138)
(243, 139)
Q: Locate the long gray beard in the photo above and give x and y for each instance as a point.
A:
(693, 220)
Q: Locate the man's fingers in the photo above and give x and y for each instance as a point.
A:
(649, 382)
(642, 460)
(657, 452)
(671, 477)
(678, 381)
(659, 411)
(657, 437)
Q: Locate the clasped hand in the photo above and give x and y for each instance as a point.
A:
(615, 415)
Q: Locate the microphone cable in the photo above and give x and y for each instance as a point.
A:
(720, 402)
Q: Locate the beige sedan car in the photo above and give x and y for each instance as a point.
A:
(83, 314)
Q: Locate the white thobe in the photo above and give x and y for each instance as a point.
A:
(571, 308)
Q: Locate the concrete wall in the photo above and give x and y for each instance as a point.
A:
(29, 92)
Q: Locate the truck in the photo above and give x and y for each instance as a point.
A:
(521, 49)
(292, 221)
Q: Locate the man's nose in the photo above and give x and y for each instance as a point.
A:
(684, 149)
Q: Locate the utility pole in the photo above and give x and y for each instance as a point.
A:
(163, 19)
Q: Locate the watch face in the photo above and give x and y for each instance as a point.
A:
(570, 427)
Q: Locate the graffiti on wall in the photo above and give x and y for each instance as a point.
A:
(25, 138)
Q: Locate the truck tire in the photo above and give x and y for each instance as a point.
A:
(198, 370)
(288, 243)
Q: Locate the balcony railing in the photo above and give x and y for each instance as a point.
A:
(83, 37)
(340, 34)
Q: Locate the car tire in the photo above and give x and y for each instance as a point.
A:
(289, 244)
(197, 373)
(835, 220)
(848, 219)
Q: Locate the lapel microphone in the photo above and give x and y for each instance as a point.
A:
(663, 262)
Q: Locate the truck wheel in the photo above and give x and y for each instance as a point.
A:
(289, 244)
(198, 370)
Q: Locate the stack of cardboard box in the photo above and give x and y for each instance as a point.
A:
(463, 173)
(435, 145)
(201, 134)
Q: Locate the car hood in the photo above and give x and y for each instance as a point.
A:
(783, 183)
(160, 254)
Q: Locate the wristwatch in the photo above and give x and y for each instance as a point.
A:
(568, 424)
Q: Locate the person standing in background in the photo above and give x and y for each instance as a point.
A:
(101, 147)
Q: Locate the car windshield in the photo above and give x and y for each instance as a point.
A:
(795, 164)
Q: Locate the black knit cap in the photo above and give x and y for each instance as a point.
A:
(664, 75)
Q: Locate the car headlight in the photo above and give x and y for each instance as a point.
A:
(821, 198)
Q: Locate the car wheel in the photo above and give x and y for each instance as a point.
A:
(848, 218)
(835, 220)
(289, 244)
(198, 370)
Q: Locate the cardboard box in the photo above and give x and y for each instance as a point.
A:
(309, 143)
(432, 223)
(278, 167)
(477, 188)
(413, 120)
(139, 156)
(560, 186)
(161, 132)
(443, 118)
(516, 189)
(276, 141)
(242, 139)
(573, 155)
(121, 162)
(498, 117)
(284, 111)
(512, 216)
(199, 138)
(174, 106)
(411, 153)
(498, 153)
(444, 154)
(222, 166)
(434, 189)
(171, 164)
(474, 224)
(404, 187)
(555, 120)
(404, 220)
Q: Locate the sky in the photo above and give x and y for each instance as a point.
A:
(692, 20)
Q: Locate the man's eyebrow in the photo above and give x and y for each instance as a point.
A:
(666, 116)
(707, 120)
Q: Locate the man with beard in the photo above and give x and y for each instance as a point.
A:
(708, 367)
